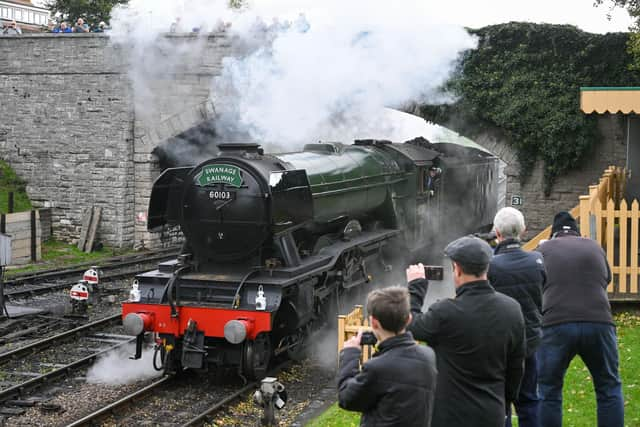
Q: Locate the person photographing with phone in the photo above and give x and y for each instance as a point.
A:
(396, 387)
(478, 338)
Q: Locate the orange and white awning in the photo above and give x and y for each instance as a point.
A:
(613, 100)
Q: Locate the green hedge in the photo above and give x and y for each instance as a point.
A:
(9, 182)
(524, 80)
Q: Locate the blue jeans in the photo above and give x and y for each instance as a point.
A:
(528, 403)
(597, 346)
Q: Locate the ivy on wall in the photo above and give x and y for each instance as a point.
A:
(524, 80)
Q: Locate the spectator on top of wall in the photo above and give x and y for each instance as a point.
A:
(101, 28)
(176, 26)
(63, 28)
(12, 29)
(80, 26)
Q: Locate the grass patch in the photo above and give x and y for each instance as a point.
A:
(579, 400)
(57, 254)
(336, 417)
(9, 181)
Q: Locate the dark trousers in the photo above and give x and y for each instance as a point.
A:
(597, 346)
(528, 404)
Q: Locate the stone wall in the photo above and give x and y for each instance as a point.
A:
(66, 129)
(80, 116)
(540, 209)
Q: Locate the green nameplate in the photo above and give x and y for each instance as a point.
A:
(219, 174)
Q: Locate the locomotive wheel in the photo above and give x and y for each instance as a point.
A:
(257, 355)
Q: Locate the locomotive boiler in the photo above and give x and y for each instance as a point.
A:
(273, 242)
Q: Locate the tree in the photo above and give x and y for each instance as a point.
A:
(92, 11)
(633, 8)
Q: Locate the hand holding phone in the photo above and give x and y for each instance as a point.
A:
(434, 272)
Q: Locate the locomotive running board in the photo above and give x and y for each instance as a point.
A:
(323, 261)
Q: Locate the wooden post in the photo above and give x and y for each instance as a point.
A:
(599, 222)
(34, 248)
(84, 231)
(95, 220)
(10, 202)
(635, 224)
(623, 240)
(341, 322)
(610, 220)
(585, 230)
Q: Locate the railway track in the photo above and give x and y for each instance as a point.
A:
(31, 290)
(105, 265)
(66, 361)
(48, 342)
(132, 410)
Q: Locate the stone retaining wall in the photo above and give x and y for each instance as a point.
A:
(80, 116)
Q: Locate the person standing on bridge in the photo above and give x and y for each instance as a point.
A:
(12, 29)
(478, 337)
(577, 320)
(521, 275)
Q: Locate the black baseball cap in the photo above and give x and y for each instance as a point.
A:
(469, 250)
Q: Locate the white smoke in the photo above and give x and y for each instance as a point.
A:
(302, 70)
(116, 368)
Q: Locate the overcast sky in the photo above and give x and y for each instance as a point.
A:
(581, 13)
(478, 13)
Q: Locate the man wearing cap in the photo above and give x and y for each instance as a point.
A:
(576, 319)
(478, 337)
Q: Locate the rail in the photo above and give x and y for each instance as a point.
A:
(47, 342)
(19, 390)
(94, 417)
(105, 264)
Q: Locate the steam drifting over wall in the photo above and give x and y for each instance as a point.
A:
(300, 71)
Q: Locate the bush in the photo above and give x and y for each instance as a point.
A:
(524, 80)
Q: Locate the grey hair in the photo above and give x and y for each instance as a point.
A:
(510, 223)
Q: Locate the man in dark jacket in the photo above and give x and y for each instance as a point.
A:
(396, 386)
(520, 275)
(577, 320)
(478, 338)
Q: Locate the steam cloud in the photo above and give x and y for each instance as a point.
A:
(115, 368)
(301, 70)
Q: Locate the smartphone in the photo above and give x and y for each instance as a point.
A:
(434, 272)
(368, 338)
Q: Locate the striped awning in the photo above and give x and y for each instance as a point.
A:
(624, 100)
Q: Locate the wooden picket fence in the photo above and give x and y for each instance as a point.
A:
(606, 217)
(349, 325)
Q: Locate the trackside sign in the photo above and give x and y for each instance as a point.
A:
(219, 174)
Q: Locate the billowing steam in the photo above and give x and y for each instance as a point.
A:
(301, 70)
(115, 368)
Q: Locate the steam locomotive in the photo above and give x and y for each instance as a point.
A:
(274, 242)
